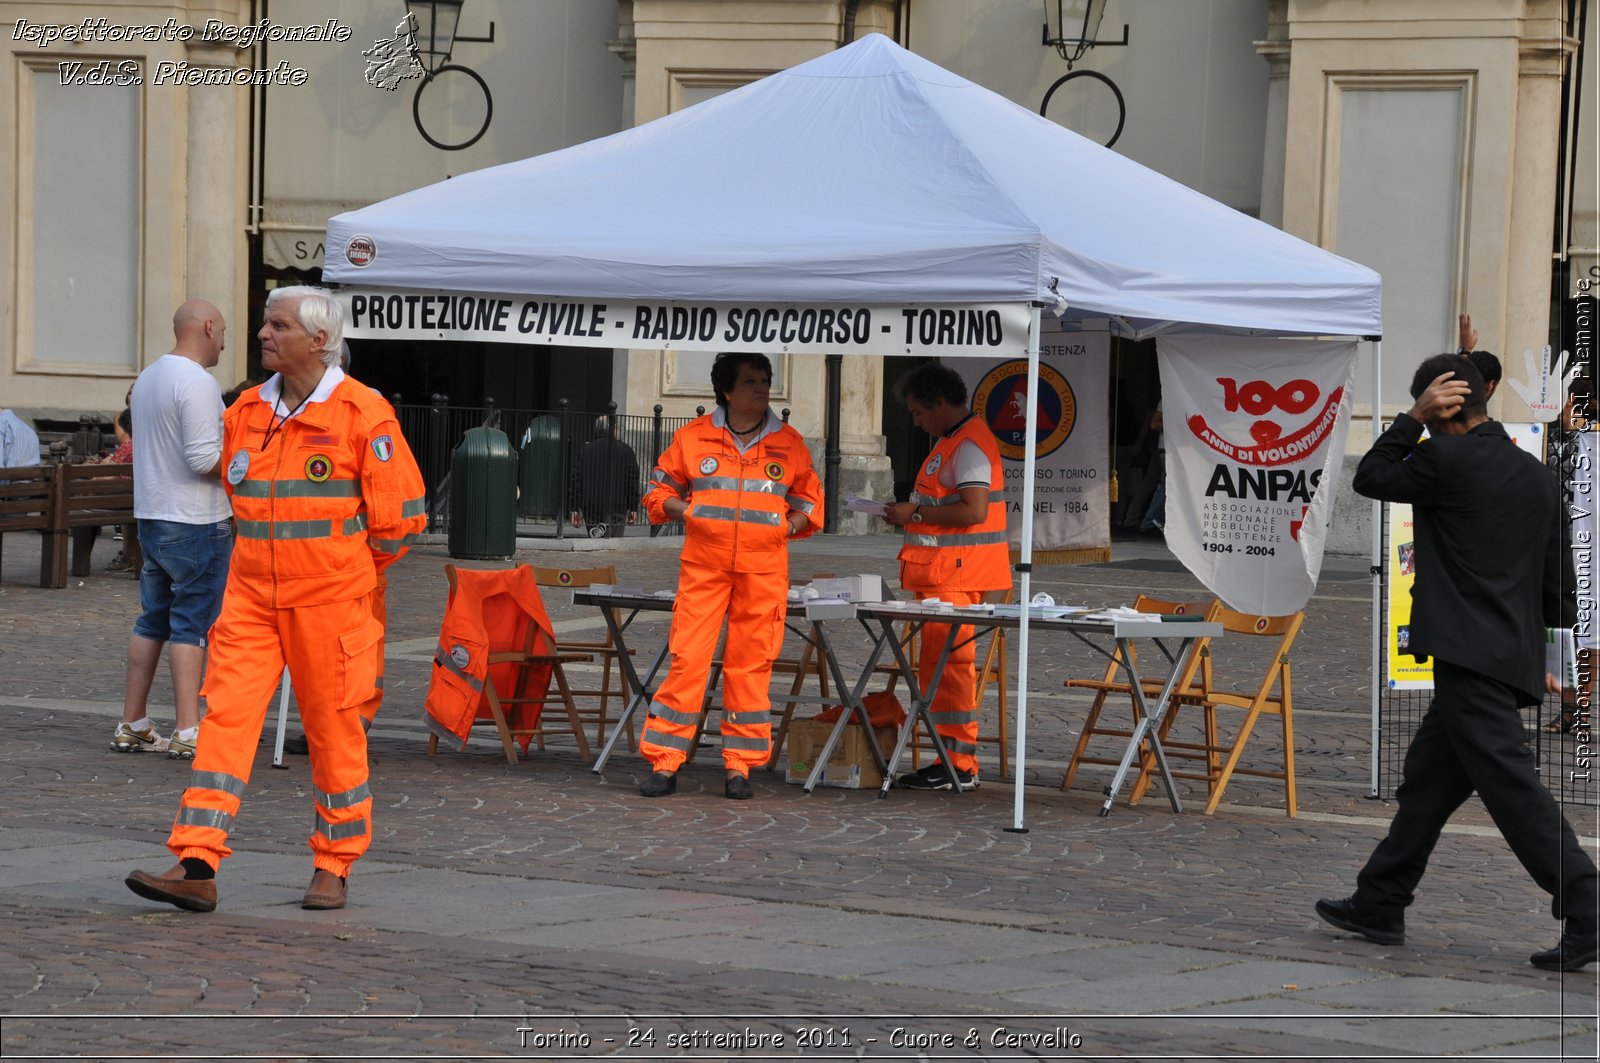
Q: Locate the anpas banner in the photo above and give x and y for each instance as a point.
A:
(998, 330)
(1255, 428)
(1071, 509)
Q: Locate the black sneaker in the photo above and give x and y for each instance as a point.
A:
(935, 777)
(1378, 929)
(1577, 948)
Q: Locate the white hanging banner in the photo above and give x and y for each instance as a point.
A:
(1255, 432)
(1071, 507)
(989, 330)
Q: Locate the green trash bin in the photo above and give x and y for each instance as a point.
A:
(483, 491)
(540, 478)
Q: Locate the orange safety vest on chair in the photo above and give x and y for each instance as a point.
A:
(489, 612)
(938, 557)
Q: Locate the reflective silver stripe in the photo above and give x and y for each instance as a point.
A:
(961, 747)
(753, 718)
(759, 745)
(253, 489)
(391, 546)
(733, 483)
(355, 524)
(205, 817)
(379, 683)
(682, 719)
(935, 500)
(285, 529)
(216, 780)
(748, 516)
(954, 719)
(803, 506)
(662, 478)
(313, 489)
(967, 539)
(339, 831)
(661, 738)
(414, 507)
(350, 797)
(442, 658)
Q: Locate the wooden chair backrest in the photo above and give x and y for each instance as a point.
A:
(1277, 635)
(1198, 660)
(574, 577)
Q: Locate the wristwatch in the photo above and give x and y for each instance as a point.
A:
(916, 515)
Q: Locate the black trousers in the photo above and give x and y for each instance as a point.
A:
(1472, 739)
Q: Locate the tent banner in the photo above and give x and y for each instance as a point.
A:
(983, 330)
(1071, 507)
(1253, 463)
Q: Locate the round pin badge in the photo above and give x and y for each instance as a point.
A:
(460, 656)
(238, 467)
(318, 468)
(708, 466)
(774, 470)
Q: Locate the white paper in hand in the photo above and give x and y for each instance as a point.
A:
(858, 504)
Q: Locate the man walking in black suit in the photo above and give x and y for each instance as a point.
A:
(1492, 573)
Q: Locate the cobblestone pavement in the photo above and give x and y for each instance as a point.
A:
(545, 899)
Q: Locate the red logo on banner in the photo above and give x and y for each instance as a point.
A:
(1268, 444)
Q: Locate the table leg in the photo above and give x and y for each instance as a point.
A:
(921, 706)
(630, 677)
(1147, 727)
(853, 705)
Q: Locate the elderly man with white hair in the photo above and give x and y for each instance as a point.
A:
(326, 495)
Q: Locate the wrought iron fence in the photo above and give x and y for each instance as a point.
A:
(549, 446)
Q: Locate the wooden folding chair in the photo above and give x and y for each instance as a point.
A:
(605, 650)
(537, 648)
(1111, 685)
(1248, 637)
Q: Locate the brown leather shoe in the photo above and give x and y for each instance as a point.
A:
(170, 887)
(327, 891)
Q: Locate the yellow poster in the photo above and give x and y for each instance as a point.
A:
(1405, 671)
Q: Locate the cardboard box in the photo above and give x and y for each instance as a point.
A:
(851, 767)
(863, 588)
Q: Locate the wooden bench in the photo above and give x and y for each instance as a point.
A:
(27, 503)
(90, 498)
(63, 501)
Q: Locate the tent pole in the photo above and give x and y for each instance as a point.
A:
(830, 447)
(1025, 567)
(1378, 633)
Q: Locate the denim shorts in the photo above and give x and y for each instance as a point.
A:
(180, 586)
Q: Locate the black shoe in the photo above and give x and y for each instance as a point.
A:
(737, 788)
(660, 784)
(1575, 951)
(296, 745)
(935, 777)
(1378, 929)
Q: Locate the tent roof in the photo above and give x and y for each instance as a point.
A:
(868, 175)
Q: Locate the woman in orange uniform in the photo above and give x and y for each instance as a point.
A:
(742, 482)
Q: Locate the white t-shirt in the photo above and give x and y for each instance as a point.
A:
(177, 428)
(19, 443)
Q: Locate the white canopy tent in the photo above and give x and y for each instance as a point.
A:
(868, 180)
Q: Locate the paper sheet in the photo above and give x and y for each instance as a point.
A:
(866, 505)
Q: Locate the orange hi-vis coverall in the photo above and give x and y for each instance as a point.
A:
(735, 564)
(322, 503)
(957, 565)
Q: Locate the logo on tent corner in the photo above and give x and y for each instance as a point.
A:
(1001, 398)
(360, 251)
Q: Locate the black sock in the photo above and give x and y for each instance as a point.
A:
(196, 868)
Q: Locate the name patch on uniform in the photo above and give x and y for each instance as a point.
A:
(933, 464)
(383, 447)
(319, 467)
(708, 466)
(322, 441)
(238, 467)
(774, 471)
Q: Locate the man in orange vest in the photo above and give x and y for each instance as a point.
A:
(742, 482)
(955, 550)
(325, 495)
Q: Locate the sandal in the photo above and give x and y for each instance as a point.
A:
(1563, 724)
